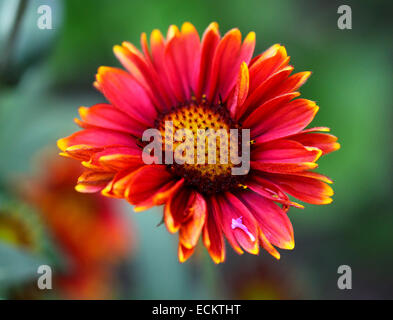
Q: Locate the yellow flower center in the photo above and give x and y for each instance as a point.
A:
(204, 147)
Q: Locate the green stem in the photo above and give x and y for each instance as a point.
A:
(10, 44)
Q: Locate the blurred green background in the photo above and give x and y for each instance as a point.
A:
(49, 74)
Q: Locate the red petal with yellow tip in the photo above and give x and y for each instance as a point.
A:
(79, 151)
(148, 183)
(93, 181)
(139, 68)
(126, 94)
(272, 220)
(283, 167)
(96, 138)
(145, 48)
(157, 45)
(269, 190)
(262, 93)
(326, 142)
(267, 64)
(304, 188)
(117, 187)
(184, 253)
(314, 175)
(257, 116)
(212, 236)
(118, 158)
(210, 40)
(179, 208)
(239, 93)
(191, 228)
(105, 116)
(245, 233)
(284, 151)
(290, 119)
(182, 56)
(268, 246)
(230, 53)
(293, 83)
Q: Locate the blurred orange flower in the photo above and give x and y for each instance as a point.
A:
(20, 227)
(89, 229)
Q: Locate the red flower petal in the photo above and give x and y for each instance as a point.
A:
(269, 190)
(157, 45)
(230, 53)
(230, 209)
(314, 175)
(293, 83)
(145, 48)
(259, 115)
(284, 156)
(321, 129)
(182, 58)
(117, 187)
(93, 181)
(326, 142)
(179, 210)
(210, 40)
(108, 117)
(283, 167)
(267, 64)
(184, 253)
(272, 220)
(263, 92)
(265, 243)
(284, 151)
(285, 121)
(125, 93)
(86, 142)
(150, 185)
(118, 159)
(191, 229)
(239, 93)
(212, 236)
(280, 86)
(143, 71)
(304, 187)
(80, 152)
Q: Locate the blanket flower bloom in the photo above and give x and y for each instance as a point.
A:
(212, 83)
(92, 235)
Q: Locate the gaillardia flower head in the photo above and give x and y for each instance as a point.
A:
(181, 84)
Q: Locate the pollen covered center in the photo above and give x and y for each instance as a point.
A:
(201, 136)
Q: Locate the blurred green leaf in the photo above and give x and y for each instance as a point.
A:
(17, 266)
